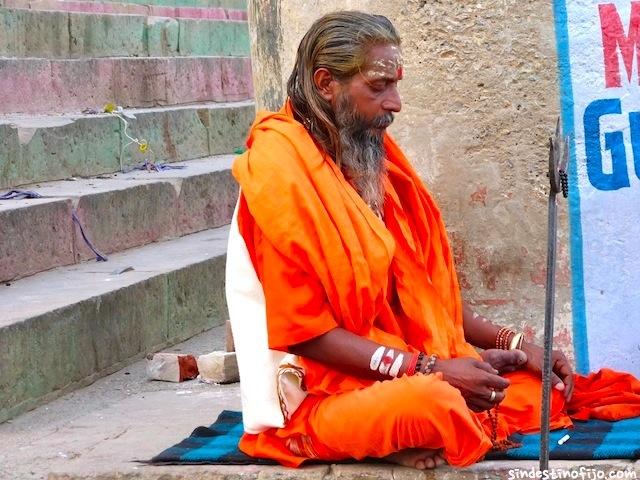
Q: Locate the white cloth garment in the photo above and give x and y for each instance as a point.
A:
(271, 382)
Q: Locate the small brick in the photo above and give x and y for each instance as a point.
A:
(218, 367)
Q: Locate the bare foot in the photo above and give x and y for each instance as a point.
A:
(422, 459)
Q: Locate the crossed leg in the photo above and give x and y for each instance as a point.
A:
(419, 421)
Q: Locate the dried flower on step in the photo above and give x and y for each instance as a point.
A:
(121, 111)
(122, 115)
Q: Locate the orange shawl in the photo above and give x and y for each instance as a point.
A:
(303, 205)
(336, 260)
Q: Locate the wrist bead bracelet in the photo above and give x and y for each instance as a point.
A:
(430, 363)
(419, 363)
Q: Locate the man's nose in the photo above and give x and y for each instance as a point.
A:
(392, 101)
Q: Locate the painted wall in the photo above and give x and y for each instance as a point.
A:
(480, 101)
(599, 50)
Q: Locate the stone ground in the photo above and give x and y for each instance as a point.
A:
(100, 431)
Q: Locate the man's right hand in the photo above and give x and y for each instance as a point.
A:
(475, 379)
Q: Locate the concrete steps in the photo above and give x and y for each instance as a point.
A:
(227, 4)
(38, 148)
(117, 212)
(52, 34)
(99, 431)
(66, 320)
(210, 9)
(64, 328)
(45, 86)
(240, 4)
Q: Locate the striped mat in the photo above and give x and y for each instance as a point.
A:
(590, 440)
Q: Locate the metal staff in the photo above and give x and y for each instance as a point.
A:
(558, 157)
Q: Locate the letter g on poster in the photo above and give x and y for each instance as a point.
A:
(598, 45)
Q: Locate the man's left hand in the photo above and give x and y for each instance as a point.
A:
(504, 360)
(562, 373)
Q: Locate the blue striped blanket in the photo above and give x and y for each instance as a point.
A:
(594, 439)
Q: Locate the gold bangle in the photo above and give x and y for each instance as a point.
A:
(516, 341)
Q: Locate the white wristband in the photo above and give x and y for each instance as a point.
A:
(376, 358)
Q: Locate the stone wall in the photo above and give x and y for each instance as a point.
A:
(480, 99)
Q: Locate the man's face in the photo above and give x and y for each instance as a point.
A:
(363, 109)
(373, 92)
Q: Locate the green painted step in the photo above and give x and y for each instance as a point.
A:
(65, 328)
(46, 34)
(44, 148)
(117, 212)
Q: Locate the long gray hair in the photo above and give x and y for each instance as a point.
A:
(339, 42)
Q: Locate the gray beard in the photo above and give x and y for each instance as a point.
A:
(363, 154)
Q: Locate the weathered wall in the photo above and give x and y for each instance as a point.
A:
(480, 100)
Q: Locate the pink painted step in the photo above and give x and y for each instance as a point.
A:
(84, 6)
(45, 86)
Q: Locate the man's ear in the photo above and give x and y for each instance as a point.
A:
(325, 83)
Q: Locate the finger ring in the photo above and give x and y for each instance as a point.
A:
(492, 397)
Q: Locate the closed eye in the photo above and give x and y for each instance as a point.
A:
(379, 85)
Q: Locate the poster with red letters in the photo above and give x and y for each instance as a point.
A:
(599, 62)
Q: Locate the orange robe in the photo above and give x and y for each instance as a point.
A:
(326, 260)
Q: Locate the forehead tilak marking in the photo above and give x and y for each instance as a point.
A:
(382, 67)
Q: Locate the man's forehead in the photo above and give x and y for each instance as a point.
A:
(384, 62)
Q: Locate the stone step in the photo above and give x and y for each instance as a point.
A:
(117, 213)
(240, 4)
(210, 9)
(98, 432)
(40, 148)
(65, 328)
(45, 86)
(46, 34)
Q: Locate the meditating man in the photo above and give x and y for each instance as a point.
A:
(358, 279)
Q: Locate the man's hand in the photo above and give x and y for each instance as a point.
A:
(475, 379)
(504, 360)
(562, 373)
